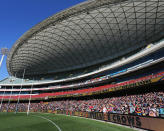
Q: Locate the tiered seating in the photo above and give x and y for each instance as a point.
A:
(86, 91)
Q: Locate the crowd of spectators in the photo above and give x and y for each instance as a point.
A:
(149, 104)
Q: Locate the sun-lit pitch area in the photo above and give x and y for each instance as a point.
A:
(52, 122)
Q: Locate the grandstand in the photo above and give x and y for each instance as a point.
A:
(101, 59)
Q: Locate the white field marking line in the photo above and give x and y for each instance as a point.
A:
(49, 121)
(133, 128)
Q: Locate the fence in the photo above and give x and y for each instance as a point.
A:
(149, 123)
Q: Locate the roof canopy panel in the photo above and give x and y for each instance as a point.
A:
(87, 34)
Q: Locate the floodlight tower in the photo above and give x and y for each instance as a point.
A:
(4, 52)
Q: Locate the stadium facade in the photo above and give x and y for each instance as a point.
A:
(98, 43)
(96, 48)
(93, 42)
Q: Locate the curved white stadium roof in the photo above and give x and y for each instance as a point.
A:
(12, 81)
(87, 34)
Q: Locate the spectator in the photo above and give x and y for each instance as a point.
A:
(149, 104)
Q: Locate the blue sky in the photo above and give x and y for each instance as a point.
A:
(18, 16)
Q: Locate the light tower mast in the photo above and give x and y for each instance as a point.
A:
(4, 52)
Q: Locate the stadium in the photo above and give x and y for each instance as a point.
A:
(101, 60)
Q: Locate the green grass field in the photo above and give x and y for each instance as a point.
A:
(52, 122)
